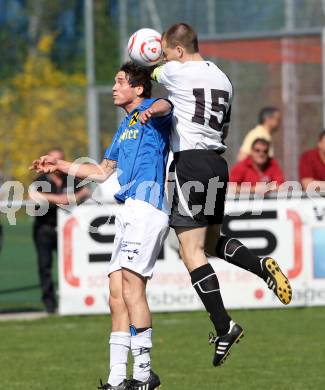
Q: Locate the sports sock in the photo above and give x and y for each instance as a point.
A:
(206, 284)
(120, 343)
(233, 251)
(140, 345)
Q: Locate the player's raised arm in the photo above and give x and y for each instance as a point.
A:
(160, 107)
(94, 172)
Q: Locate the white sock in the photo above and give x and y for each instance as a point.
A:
(140, 346)
(120, 343)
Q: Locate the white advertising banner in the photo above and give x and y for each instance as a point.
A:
(292, 231)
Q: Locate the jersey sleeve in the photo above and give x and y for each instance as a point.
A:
(162, 122)
(112, 151)
(165, 74)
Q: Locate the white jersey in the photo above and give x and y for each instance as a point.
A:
(201, 94)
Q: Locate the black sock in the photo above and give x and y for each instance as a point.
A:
(233, 251)
(206, 284)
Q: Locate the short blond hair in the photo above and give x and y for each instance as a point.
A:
(181, 34)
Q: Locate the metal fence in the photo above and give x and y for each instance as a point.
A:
(272, 51)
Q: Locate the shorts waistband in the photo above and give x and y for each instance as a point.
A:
(199, 152)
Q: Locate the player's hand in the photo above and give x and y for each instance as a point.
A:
(145, 116)
(45, 164)
(36, 166)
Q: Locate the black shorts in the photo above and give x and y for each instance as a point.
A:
(197, 186)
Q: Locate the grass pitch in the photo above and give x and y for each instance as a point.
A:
(19, 284)
(282, 349)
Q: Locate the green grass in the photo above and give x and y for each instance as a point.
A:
(19, 284)
(282, 349)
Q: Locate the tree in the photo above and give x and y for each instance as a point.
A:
(40, 107)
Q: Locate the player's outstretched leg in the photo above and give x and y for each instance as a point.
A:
(276, 279)
(223, 344)
(206, 284)
(233, 251)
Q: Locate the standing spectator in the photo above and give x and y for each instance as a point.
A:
(312, 166)
(269, 120)
(257, 169)
(45, 227)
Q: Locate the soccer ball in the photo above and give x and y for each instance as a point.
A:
(144, 47)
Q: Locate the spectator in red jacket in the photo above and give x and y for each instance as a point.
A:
(259, 168)
(312, 166)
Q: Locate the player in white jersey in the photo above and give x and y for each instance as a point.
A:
(202, 95)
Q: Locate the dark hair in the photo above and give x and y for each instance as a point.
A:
(261, 141)
(321, 135)
(183, 35)
(266, 113)
(136, 76)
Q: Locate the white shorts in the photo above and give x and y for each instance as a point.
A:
(141, 230)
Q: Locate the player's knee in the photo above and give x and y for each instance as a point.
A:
(132, 293)
(115, 299)
(191, 252)
(129, 292)
(193, 256)
(116, 304)
(115, 290)
(133, 287)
